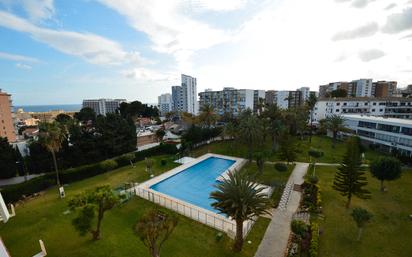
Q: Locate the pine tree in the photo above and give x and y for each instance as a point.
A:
(350, 178)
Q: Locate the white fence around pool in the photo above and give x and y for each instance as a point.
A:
(201, 215)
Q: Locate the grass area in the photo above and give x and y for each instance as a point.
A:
(44, 218)
(388, 234)
(331, 155)
(270, 176)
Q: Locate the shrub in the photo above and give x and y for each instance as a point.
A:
(281, 167)
(315, 153)
(158, 150)
(125, 159)
(163, 162)
(108, 165)
(313, 179)
(314, 242)
(14, 193)
(299, 227)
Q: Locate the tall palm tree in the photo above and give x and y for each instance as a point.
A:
(250, 132)
(208, 115)
(189, 118)
(335, 123)
(311, 102)
(273, 114)
(230, 131)
(51, 136)
(241, 199)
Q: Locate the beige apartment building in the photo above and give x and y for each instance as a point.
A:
(6, 117)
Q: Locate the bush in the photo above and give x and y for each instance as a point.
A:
(163, 162)
(14, 193)
(108, 165)
(281, 167)
(125, 159)
(315, 153)
(314, 242)
(299, 227)
(313, 180)
(158, 150)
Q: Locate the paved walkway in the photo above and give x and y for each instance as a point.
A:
(17, 180)
(276, 237)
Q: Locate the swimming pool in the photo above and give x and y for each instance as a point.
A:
(195, 183)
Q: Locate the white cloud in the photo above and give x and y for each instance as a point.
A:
(366, 30)
(23, 66)
(39, 9)
(90, 47)
(170, 30)
(398, 22)
(145, 74)
(16, 57)
(361, 3)
(371, 54)
(221, 5)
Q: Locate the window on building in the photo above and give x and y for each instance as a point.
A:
(337, 110)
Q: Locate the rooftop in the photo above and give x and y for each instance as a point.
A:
(372, 99)
(379, 119)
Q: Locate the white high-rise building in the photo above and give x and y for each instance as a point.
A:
(103, 106)
(165, 103)
(282, 99)
(364, 87)
(305, 93)
(189, 86)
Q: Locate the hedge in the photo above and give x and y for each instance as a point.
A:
(314, 242)
(14, 193)
(280, 166)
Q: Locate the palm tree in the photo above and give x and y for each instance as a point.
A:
(335, 123)
(208, 115)
(241, 199)
(311, 102)
(189, 118)
(250, 132)
(273, 114)
(51, 136)
(230, 131)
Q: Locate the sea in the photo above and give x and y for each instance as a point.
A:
(47, 108)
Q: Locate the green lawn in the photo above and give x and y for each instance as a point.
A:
(331, 155)
(388, 235)
(44, 218)
(270, 176)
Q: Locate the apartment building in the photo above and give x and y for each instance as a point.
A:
(258, 99)
(270, 97)
(228, 100)
(165, 103)
(184, 97)
(7, 128)
(360, 88)
(103, 106)
(384, 88)
(391, 107)
(388, 134)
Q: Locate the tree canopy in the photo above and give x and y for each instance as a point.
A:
(350, 179)
(386, 168)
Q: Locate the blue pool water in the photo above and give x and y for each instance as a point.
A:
(194, 184)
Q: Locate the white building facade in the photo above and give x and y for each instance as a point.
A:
(391, 107)
(103, 106)
(364, 87)
(165, 103)
(388, 134)
(189, 87)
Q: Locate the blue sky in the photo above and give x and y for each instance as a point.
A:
(57, 52)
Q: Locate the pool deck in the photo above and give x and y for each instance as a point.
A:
(210, 218)
(239, 163)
